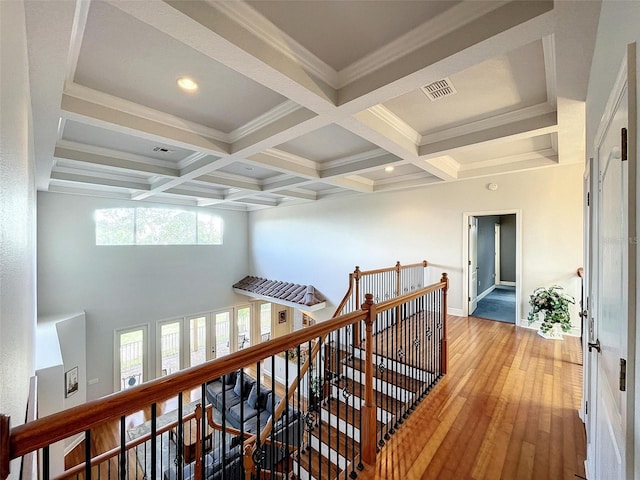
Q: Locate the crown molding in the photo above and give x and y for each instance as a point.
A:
(276, 113)
(339, 162)
(395, 122)
(117, 154)
(437, 27)
(547, 153)
(110, 101)
(487, 123)
(549, 54)
(290, 157)
(256, 23)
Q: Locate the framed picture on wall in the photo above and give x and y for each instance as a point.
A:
(282, 316)
(70, 382)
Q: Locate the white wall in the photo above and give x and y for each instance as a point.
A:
(321, 243)
(618, 27)
(17, 219)
(122, 286)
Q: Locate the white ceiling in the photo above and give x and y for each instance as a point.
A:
(300, 101)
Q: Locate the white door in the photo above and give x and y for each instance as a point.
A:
(612, 316)
(473, 264)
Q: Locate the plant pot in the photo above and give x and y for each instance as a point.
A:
(554, 334)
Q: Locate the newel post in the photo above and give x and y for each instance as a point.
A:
(445, 348)
(368, 427)
(5, 439)
(356, 326)
(198, 466)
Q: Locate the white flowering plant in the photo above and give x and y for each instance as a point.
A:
(554, 304)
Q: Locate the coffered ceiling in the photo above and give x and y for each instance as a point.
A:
(301, 100)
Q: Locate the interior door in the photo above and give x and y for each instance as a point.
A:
(473, 264)
(611, 320)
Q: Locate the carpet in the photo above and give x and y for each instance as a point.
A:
(499, 305)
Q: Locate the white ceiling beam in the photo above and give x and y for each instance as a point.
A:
(91, 180)
(306, 195)
(112, 162)
(531, 127)
(227, 182)
(402, 183)
(361, 166)
(110, 118)
(507, 168)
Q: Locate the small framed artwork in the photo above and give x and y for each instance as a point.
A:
(70, 382)
(282, 316)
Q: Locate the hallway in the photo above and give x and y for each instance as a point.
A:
(499, 305)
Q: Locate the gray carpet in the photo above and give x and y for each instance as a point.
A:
(498, 305)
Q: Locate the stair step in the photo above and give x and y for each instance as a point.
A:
(316, 465)
(347, 416)
(335, 440)
(391, 377)
(379, 385)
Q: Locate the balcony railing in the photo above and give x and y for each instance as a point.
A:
(312, 404)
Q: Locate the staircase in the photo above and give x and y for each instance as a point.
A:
(332, 434)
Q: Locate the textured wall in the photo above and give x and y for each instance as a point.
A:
(17, 219)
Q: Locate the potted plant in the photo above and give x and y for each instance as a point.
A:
(554, 304)
(317, 387)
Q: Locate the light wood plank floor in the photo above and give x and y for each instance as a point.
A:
(507, 409)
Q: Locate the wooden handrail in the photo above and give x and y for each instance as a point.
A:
(42, 432)
(58, 426)
(114, 452)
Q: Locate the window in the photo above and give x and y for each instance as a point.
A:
(131, 357)
(156, 226)
(265, 322)
(170, 342)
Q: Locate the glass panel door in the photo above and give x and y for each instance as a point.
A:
(221, 333)
(244, 327)
(265, 322)
(197, 340)
(169, 346)
(131, 348)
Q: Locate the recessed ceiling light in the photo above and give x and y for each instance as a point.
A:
(388, 169)
(187, 84)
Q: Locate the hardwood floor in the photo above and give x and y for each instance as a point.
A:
(507, 409)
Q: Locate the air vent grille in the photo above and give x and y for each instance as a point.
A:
(162, 150)
(439, 89)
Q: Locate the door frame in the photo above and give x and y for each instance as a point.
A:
(465, 256)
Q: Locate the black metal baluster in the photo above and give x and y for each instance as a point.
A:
(123, 450)
(350, 345)
(223, 420)
(46, 472)
(154, 408)
(390, 367)
(180, 439)
(309, 419)
(87, 454)
(298, 413)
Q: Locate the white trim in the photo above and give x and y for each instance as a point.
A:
(507, 284)
(456, 311)
(549, 53)
(486, 292)
(276, 113)
(488, 123)
(77, 440)
(77, 34)
(396, 123)
(465, 257)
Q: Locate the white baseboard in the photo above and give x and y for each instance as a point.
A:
(455, 311)
(508, 284)
(75, 442)
(486, 292)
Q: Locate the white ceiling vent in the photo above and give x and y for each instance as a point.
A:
(440, 89)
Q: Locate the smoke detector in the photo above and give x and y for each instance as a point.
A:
(439, 89)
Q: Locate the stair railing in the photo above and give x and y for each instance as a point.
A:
(296, 422)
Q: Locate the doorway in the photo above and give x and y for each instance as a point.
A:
(491, 280)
